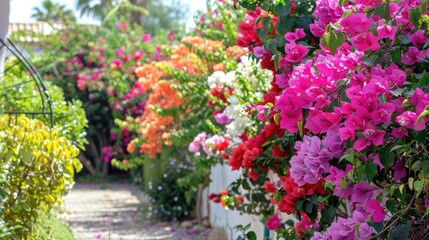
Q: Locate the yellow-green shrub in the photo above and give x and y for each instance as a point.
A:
(40, 165)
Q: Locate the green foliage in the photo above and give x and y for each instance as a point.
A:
(168, 199)
(219, 22)
(79, 60)
(22, 94)
(51, 226)
(50, 11)
(40, 169)
(164, 17)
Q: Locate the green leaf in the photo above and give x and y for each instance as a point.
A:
(396, 92)
(342, 2)
(418, 186)
(343, 183)
(329, 185)
(299, 204)
(400, 232)
(332, 40)
(277, 118)
(370, 171)
(391, 206)
(423, 80)
(423, 114)
(328, 215)
(245, 184)
(284, 25)
(284, 9)
(304, 21)
(371, 60)
(419, 136)
(386, 157)
(308, 207)
(415, 16)
(378, 226)
(383, 10)
(266, 27)
(251, 235)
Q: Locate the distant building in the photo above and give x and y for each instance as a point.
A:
(28, 34)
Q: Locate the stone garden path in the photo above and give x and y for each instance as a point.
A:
(100, 211)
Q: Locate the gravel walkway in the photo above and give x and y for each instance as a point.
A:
(99, 211)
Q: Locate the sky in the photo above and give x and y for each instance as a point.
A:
(21, 10)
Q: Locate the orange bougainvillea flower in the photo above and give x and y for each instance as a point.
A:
(154, 129)
(131, 147)
(235, 52)
(148, 75)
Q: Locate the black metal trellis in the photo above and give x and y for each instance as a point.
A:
(20, 74)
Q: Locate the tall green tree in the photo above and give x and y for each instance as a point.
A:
(165, 16)
(50, 11)
(162, 16)
(100, 9)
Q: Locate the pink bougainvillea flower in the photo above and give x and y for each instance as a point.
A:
(361, 144)
(282, 80)
(343, 228)
(319, 236)
(171, 36)
(138, 55)
(355, 24)
(346, 133)
(310, 162)
(120, 51)
(295, 52)
(259, 51)
(387, 31)
(303, 226)
(318, 29)
(413, 56)
(375, 209)
(116, 63)
(369, 3)
(362, 191)
(365, 231)
(376, 136)
(222, 118)
(337, 176)
(293, 36)
(399, 170)
(289, 119)
(319, 121)
(399, 133)
(273, 223)
(365, 41)
(122, 25)
(81, 84)
(157, 53)
(146, 38)
(418, 38)
(409, 119)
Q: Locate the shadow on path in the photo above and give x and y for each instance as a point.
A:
(110, 213)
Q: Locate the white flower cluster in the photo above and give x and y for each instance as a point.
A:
(248, 82)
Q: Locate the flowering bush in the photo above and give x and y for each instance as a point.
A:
(343, 146)
(38, 170)
(98, 69)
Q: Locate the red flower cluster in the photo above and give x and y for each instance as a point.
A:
(244, 154)
(219, 93)
(294, 192)
(223, 145)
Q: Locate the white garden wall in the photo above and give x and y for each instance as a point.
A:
(222, 176)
